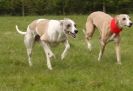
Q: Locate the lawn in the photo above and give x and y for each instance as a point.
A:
(79, 71)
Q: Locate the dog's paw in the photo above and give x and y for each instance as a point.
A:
(30, 64)
(99, 59)
(119, 63)
(89, 47)
(50, 68)
(62, 57)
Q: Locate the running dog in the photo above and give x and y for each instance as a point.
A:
(48, 32)
(109, 28)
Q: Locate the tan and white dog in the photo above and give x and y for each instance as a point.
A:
(48, 32)
(109, 29)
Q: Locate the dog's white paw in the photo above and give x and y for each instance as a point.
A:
(30, 64)
(50, 68)
(89, 46)
(62, 57)
(99, 59)
(100, 56)
(119, 63)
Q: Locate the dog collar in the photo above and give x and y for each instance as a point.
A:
(114, 28)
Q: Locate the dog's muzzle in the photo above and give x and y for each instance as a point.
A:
(74, 34)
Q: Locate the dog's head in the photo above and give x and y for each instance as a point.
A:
(69, 27)
(123, 20)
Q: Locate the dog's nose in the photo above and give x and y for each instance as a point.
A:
(131, 23)
(76, 31)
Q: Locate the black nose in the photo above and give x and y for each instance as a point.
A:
(131, 23)
(76, 31)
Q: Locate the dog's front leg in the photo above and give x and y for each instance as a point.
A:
(48, 53)
(67, 46)
(111, 38)
(117, 49)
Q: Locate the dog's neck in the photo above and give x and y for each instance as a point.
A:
(114, 27)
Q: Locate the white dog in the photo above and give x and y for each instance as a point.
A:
(48, 32)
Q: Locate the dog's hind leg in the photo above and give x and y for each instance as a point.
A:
(103, 44)
(29, 42)
(48, 53)
(67, 46)
(90, 28)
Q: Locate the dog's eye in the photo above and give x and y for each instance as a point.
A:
(68, 25)
(124, 18)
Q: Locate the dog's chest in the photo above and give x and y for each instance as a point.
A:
(57, 36)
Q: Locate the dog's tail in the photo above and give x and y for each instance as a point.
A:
(20, 32)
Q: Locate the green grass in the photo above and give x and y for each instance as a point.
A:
(79, 71)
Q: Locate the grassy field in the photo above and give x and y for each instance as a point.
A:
(79, 71)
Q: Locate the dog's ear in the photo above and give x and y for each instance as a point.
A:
(116, 19)
(61, 22)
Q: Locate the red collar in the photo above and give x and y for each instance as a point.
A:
(114, 27)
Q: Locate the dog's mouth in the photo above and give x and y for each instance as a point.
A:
(72, 34)
(129, 25)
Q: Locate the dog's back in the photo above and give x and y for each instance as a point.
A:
(98, 19)
(39, 26)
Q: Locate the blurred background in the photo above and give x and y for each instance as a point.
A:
(63, 7)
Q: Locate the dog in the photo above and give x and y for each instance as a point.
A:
(48, 32)
(109, 28)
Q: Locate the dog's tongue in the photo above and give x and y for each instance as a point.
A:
(73, 35)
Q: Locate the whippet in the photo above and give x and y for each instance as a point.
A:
(109, 29)
(48, 32)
